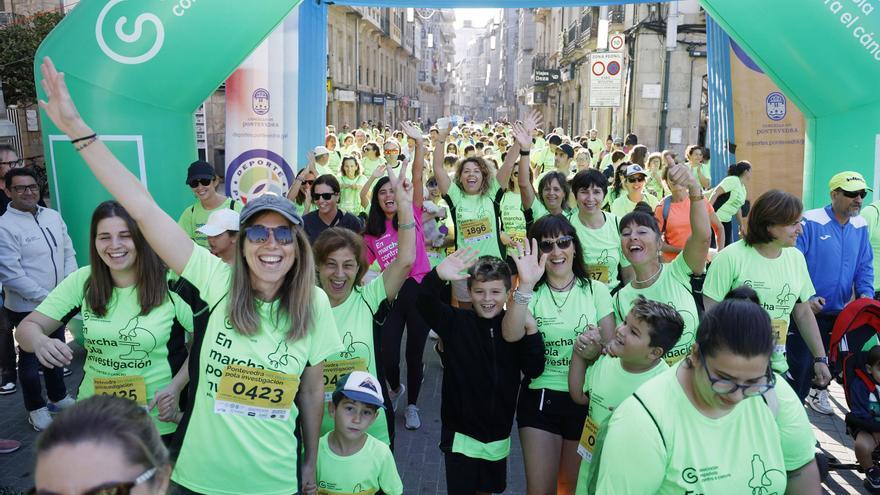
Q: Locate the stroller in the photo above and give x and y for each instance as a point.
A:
(856, 330)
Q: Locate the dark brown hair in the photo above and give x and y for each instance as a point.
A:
(774, 207)
(152, 284)
(336, 238)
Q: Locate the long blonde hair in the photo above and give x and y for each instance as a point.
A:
(295, 294)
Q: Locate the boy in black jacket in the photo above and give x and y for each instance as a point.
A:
(482, 372)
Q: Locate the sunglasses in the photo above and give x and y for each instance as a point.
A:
(259, 234)
(855, 194)
(23, 189)
(112, 488)
(308, 182)
(638, 178)
(324, 196)
(392, 151)
(563, 242)
(199, 182)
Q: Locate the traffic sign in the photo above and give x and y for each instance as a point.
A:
(606, 79)
(598, 68)
(616, 42)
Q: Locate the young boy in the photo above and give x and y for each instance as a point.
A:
(481, 373)
(634, 356)
(864, 417)
(349, 459)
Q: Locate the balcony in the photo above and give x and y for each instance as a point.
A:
(616, 14)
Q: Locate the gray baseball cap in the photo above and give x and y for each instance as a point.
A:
(270, 202)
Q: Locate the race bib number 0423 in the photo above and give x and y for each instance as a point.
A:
(256, 393)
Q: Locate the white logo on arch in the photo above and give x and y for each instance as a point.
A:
(131, 37)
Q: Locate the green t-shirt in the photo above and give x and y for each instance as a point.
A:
(672, 287)
(733, 185)
(513, 220)
(561, 317)
(366, 472)
(601, 247)
(544, 160)
(780, 283)
(130, 349)
(335, 162)
(622, 204)
(350, 199)
(196, 215)
(325, 169)
(607, 385)
(222, 440)
(370, 165)
(872, 216)
(354, 317)
(706, 168)
(746, 451)
(596, 146)
(476, 224)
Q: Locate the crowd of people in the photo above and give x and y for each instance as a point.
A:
(591, 291)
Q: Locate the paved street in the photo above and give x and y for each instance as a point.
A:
(418, 457)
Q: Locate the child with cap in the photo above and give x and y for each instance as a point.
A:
(349, 459)
(633, 356)
(222, 232)
(481, 371)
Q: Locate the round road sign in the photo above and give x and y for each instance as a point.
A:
(613, 68)
(598, 68)
(616, 42)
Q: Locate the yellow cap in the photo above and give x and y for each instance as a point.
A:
(848, 181)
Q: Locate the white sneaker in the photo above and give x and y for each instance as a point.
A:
(433, 335)
(819, 402)
(57, 407)
(40, 419)
(396, 395)
(413, 422)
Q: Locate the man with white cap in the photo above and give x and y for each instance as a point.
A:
(322, 160)
(222, 231)
(836, 245)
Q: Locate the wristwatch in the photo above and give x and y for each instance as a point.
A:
(823, 360)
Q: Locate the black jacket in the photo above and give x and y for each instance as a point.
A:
(482, 372)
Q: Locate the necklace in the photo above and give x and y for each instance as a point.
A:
(652, 277)
(567, 288)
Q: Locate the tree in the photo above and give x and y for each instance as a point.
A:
(18, 46)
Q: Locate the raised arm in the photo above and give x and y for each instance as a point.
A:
(298, 181)
(697, 246)
(169, 241)
(418, 164)
(439, 149)
(367, 188)
(398, 271)
(522, 132)
(530, 268)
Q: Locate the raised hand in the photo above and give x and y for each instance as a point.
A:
(412, 131)
(59, 105)
(454, 266)
(681, 175)
(402, 187)
(533, 120)
(529, 265)
(523, 136)
(379, 171)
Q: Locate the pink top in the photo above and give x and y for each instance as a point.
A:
(384, 249)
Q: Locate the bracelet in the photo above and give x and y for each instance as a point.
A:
(520, 298)
(524, 152)
(88, 141)
(407, 226)
(84, 138)
(696, 197)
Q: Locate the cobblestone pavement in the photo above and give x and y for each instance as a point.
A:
(418, 458)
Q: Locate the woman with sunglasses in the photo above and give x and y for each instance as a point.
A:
(300, 192)
(641, 240)
(634, 192)
(134, 326)
(598, 231)
(325, 196)
(556, 294)
(767, 260)
(372, 158)
(103, 445)
(351, 181)
(616, 173)
(203, 181)
(258, 353)
(359, 310)
(720, 422)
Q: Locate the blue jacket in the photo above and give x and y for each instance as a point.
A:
(839, 257)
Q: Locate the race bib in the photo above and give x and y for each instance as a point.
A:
(598, 272)
(334, 370)
(475, 230)
(128, 387)
(780, 335)
(587, 443)
(256, 393)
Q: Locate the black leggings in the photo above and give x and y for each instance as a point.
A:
(404, 314)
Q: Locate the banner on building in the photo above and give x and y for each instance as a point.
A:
(606, 79)
(768, 128)
(261, 113)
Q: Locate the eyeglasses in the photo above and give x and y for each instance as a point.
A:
(112, 488)
(726, 387)
(259, 234)
(563, 242)
(324, 196)
(14, 163)
(432, 183)
(199, 182)
(23, 189)
(855, 194)
(637, 178)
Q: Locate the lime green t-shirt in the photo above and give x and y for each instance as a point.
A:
(129, 349)
(224, 438)
(872, 217)
(354, 320)
(196, 215)
(601, 247)
(367, 472)
(706, 168)
(672, 287)
(733, 185)
(622, 204)
(513, 221)
(335, 162)
(596, 146)
(544, 160)
(561, 317)
(780, 283)
(746, 451)
(607, 385)
(476, 224)
(350, 198)
(370, 165)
